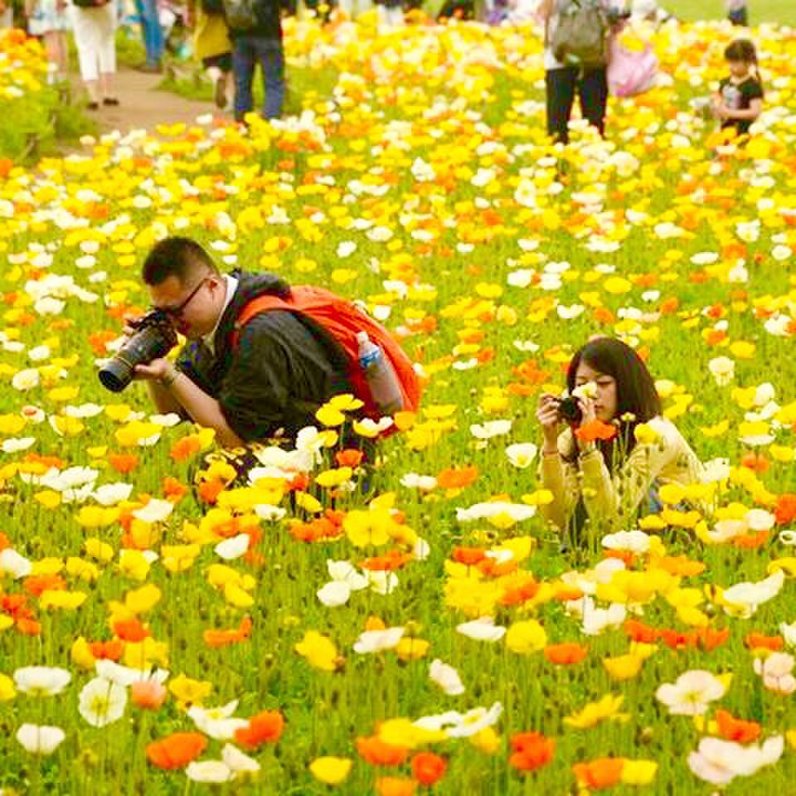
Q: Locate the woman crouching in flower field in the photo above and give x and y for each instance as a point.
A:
(617, 450)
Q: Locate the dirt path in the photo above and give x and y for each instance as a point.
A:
(142, 105)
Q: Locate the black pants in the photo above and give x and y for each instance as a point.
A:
(561, 84)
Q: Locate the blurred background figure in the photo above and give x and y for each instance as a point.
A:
(738, 12)
(6, 14)
(94, 28)
(47, 19)
(152, 35)
(212, 45)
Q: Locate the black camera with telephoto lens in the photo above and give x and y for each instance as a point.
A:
(569, 410)
(154, 337)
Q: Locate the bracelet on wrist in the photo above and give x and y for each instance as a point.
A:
(169, 378)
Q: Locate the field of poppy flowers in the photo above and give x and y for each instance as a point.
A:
(162, 627)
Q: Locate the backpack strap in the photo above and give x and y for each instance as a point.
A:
(258, 304)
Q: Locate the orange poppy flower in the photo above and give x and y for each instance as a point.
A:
(123, 463)
(738, 730)
(37, 584)
(638, 631)
(4, 541)
(378, 753)
(755, 462)
(210, 490)
(390, 561)
(468, 555)
(394, 786)
(130, 630)
(223, 638)
(566, 653)
(594, 430)
(759, 641)
(107, 650)
(785, 509)
(184, 448)
(518, 593)
(680, 565)
(678, 640)
(428, 768)
(457, 477)
(531, 750)
(350, 457)
(708, 638)
(174, 489)
(176, 750)
(604, 772)
(265, 727)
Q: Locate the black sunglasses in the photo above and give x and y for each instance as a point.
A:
(176, 312)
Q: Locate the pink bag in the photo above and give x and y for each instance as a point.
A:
(631, 72)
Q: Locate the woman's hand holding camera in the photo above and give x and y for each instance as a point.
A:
(549, 419)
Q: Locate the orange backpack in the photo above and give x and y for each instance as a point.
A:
(341, 320)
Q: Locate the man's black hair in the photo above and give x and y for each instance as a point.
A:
(179, 257)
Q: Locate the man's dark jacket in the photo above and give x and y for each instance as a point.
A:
(282, 369)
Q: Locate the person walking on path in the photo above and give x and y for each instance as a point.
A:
(211, 44)
(258, 41)
(152, 35)
(94, 28)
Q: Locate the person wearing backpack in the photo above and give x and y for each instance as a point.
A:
(211, 44)
(575, 60)
(255, 28)
(259, 360)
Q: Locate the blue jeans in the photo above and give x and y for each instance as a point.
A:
(151, 30)
(246, 53)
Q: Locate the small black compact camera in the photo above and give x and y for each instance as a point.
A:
(154, 337)
(569, 410)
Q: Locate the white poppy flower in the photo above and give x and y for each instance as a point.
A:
(346, 572)
(237, 761)
(39, 739)
(125, 675)
(84, 410)
(26, 379)
(521, 454)
(167, 420)
(746, 597)
(633, 541)
(492, 428)
(156, 510)
(102, 702)
(378, 640)
(269, 513)
(218, 723)
(382, 582)
(446, 677)
(718, 761)
(234, 547)
(41, 680)
(484, 511)
(14, 564)
(483, 629)
(462, 725)
(17, 444)
(209, 771)
(111, 494)
(691, 693)
(425, 483)
(334, 594)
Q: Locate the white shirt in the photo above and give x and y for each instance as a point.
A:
(232, 286)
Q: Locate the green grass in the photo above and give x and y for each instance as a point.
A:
(771, 11)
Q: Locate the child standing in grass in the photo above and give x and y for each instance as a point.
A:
(739, 99)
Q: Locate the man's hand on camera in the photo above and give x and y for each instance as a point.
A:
(156, 370)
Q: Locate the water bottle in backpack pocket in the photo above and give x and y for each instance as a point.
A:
(379, 375)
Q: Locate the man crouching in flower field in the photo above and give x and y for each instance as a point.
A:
(267, 383)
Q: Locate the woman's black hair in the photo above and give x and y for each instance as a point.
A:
(636, 395)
